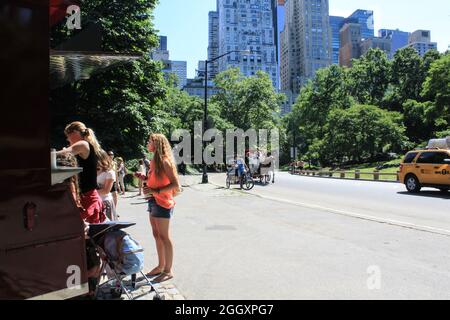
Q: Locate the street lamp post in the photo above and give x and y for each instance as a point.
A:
(205, 112)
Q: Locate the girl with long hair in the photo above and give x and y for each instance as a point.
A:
(85, 147)
(106, 177)
(163, 184)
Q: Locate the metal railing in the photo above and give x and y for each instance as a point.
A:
(342, 174)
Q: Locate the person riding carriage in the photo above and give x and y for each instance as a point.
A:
(261, 167)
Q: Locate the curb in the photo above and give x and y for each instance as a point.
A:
(345, 179)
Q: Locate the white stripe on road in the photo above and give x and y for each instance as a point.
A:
(402, 224)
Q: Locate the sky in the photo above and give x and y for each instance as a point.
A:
(185, 22)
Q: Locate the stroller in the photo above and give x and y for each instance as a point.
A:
(121, 256)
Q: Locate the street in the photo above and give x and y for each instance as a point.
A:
(304, 238)
(380, 201)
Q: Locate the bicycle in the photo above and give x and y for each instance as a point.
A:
(245, 181)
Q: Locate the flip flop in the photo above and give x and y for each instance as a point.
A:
(154, 273)
(165, 276)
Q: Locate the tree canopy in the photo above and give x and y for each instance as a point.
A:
(377, 106)
(119, 102)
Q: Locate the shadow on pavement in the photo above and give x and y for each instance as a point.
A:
(130, 197)
(137, 203)
(429, 194)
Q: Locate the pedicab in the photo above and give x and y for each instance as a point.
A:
(263, 170)
(245, 180)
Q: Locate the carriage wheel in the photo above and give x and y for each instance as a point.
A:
(249, 183)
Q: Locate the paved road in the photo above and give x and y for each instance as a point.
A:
(233, 245)
(380, 201)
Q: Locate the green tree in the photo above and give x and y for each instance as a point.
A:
(429, 57)
(370, 77)
(326, 92)
(183, 110)
(118, 103)
(247, 102)
(406, 77)
(437, 89)
(420, 119)
(374, 132)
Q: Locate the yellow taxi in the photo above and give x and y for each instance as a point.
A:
(426, 168)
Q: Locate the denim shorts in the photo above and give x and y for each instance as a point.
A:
(156, 211)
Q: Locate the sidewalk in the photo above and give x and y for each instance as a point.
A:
(132, 208)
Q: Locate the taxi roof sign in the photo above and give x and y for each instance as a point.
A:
(439, 143)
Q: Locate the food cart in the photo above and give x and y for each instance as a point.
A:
(42, 244)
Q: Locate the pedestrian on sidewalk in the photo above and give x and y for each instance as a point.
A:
(146, 163)
(85, 147)
(105, 180)
(114, 187)
(141, 171)
(121, 170)
(163, 184)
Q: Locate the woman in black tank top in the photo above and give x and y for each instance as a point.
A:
(88, 177)
(86, 148)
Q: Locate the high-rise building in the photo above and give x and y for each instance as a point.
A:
(162, 43)
(305, 42)
(179, 68)
(285, 57)
(336, 24)
(362, 17)
(196, 87)
(350, 38)
(279, 16)
(200, 72)
(287, 104)
(245, 25)
(161, 53)
(375, 42)
(213, 44)
(399, 39)
(365, 19)
(420, 40)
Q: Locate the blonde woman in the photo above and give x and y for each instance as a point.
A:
(162, 183)
(85, 147)
(121, 176)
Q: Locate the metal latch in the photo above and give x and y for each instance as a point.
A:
(30, 215)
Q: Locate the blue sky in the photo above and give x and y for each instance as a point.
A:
(185, 22)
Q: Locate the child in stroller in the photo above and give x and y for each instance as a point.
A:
(121, 255)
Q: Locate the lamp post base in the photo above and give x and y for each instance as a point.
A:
(205, 178)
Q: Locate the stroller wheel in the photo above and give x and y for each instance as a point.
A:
(116, 292)
(158, 297)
